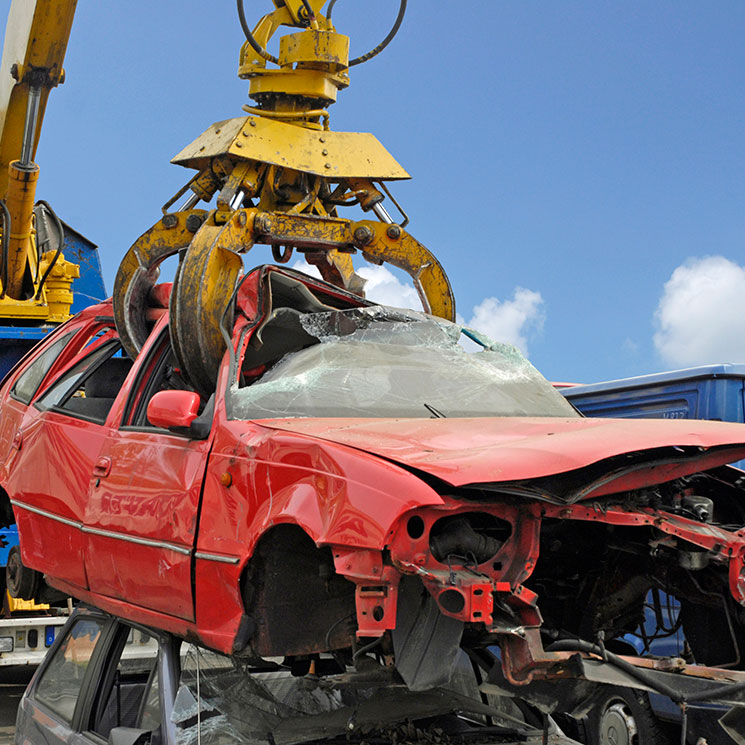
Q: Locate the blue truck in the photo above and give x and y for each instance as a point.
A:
(708, 392)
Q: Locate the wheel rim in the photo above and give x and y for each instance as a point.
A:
(617, 726)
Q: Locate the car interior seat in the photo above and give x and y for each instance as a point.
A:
(101, 388)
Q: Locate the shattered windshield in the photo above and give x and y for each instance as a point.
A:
(384, 362)
(220, 701)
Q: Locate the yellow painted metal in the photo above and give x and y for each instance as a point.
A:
(328, 242)
(325, 49)
(338, 269)
(53, 305)
(378, 242)
(245, 175)
(310, 84)
(312, 64)
(138, 272)
(25, 310)
(57, 290)
(18, 605)
(407, 253)
(333, 155)
(297, 9)
(203, 288)
(35, 41)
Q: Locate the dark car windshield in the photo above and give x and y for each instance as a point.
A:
(384, 362)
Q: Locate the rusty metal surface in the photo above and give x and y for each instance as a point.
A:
(139, 270)
(202, 290)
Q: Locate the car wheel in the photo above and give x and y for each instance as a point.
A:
(22, 582)
(623, 717)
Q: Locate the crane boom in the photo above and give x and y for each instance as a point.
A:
(36, 38)
(35, 284)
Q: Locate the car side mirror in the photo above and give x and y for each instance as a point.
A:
(169, 409)
(129, 735)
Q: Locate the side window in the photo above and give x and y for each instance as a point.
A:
(28, 382)
(130, 690)
(60, 684)
(159, 373)
(89, 388)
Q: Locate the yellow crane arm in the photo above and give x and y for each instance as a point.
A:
(35, 43)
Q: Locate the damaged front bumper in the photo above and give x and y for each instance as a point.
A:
(474, 558)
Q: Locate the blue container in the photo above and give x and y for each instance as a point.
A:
(709, 392)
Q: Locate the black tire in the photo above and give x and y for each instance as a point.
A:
(623, 716)
(22, 582)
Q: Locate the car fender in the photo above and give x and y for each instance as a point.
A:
(258, 478)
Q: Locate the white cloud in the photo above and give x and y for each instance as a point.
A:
(701, 316)
(383, 286)
(301, 265)
(509, 321)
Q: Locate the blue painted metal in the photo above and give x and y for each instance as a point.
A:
(9, 537)
(708, 392)
(89, 288)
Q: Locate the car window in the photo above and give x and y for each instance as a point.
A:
(89, 388)
(159, 372)
(61, 681)
(28, 382)
(383, 362)
(129, 695)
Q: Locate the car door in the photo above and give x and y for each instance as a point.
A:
(142, 507)
(23, 388)
(52, 705)
(56, 449)
(101, 674)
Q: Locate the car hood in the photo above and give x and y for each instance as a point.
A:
(592, 456)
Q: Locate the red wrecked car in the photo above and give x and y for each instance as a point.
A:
(361, 481)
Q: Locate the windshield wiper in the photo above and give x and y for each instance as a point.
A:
(436, 413)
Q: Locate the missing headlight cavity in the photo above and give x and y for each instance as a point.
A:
(471, 535)
(415, 527)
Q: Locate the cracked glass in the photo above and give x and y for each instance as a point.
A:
(384, 362)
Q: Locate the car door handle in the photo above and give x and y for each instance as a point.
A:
(102, 468)
(18, 439)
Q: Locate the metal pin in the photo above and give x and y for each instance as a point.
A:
(382, 213)
(29, 129)
(189, 202)
(237, 200)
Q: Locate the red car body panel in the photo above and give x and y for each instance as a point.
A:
(494, 450)
(151, 492)
(160, 527)
(57, 457)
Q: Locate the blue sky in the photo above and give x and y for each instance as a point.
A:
(568, 156)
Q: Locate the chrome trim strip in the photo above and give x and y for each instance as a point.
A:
(104, 533)
(217, 557)
(136, 539)
(44, 513)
